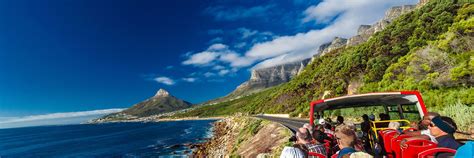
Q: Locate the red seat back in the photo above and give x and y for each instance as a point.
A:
(383, 132)
(396, 145)
(318, 155)
(387, 141)
(433, 151)
(416, 146)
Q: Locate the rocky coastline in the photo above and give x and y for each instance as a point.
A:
(243, 136)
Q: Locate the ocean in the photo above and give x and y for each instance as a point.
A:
(160, 139)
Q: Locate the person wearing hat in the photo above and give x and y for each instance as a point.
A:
(443, 129)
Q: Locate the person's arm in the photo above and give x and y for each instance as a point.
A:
(412, 133)
(420, 137)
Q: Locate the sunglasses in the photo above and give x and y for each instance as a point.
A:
(432, 125)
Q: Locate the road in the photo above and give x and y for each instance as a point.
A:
(292, 124)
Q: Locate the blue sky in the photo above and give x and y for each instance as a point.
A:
(66, 56)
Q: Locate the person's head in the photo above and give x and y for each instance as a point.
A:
(308, 126)
(427, 118)
(340, 119)
(327, 126)
(394, 125)
(322, 121)
(441, 125)
(365, 117)
(372, 117)
(319, 137)
(303, 136)
(345, 136)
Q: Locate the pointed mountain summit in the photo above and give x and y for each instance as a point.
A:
(162, 102)
(161, 93)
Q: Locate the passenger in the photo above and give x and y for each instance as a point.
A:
(327, 129)
(299, 149)
(340, 120)
(443, 129)
(395, 126)
(421, 134)
(365, 127)
(318, 146)
(372, 117)
(309, 127)
(345, 138)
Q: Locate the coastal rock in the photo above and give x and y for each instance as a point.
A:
(232, 137)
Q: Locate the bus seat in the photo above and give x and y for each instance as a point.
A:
(396, 145)
(433, 151)
(416, 146)
(387, 138)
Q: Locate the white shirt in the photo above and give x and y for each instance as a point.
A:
(291, 152)
(427, 132)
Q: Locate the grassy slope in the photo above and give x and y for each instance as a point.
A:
(429, 49)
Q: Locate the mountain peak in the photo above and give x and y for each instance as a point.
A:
(162, 93)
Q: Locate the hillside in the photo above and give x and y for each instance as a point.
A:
(428, 49)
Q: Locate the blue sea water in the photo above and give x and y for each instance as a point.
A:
(161, 139)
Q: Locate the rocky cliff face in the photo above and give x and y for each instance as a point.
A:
(268, 77)
(365, 31)
(338, 42)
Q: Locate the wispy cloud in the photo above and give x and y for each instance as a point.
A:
(164, 80)
(217, 53)
(189, 79)
(59, 115)
(225, 13)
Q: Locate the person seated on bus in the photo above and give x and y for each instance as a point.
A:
(327, 129)
(358, 144)
(395, 126)
(423, 132)
(383, 117)
(443, 128)
(299, 149)
(365, 128)
(309, 127)
(339, 120)
(318, 146)
(345, 138)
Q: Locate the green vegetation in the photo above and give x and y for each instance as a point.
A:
(430, 49)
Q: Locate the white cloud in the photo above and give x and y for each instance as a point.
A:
(223, 72)
(246, 33)
(347, 15)
(59, 115)
(165, 80)
(218, 67)
(202, 58)
(209, 74)
(217, 47)
(190, 79)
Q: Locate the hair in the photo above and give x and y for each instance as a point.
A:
(327, 126)
(303, 134)
(346, 135)
(365, 117)
(394, 125)
(340, 119)
(319, 136)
